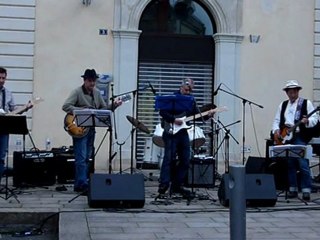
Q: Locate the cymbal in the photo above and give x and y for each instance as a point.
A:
(138, 124)
(207, 107)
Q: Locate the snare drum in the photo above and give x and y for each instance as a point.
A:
(196, 136)
(157, 136)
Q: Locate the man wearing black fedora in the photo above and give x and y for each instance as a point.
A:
(85, 96)
(290, 126)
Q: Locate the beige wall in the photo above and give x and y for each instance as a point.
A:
(285, 51)
(67, 42)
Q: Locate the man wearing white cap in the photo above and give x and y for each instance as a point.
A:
(290, 126)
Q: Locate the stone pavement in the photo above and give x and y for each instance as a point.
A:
(204, 218)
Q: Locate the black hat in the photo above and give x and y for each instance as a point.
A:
(90, 73)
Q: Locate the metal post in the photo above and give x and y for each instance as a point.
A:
(237, 202)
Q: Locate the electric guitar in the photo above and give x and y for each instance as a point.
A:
(287, 133)
(23, 108)
(173, 128)
(73, 130)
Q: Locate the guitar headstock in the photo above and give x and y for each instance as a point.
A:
(221, 109)
(36, 100)
(125, 98)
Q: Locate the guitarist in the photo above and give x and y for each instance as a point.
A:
(85, 96)
(177, 144)
(291, 118)
(7, 105)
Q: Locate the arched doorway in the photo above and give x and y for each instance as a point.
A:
(176, 42)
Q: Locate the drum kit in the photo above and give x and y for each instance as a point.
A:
(154, 148)
(196, 136)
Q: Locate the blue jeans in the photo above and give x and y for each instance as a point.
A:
(4, 143)
(172, 170)
(301, 164)
(83, 150)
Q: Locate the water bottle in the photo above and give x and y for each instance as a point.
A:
(18, 145)
(48, 144)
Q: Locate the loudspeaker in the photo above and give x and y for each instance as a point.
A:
(260, 190)
(37, 168)
(256, 165)
(66, 167)
(116, 191)
(279, 168)
(201, 173)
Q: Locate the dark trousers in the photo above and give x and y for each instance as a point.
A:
(176, 159)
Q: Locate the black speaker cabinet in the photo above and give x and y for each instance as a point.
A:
(260, 190)
(116, 191)
(66, 167)
(256, 165)
(34, 168)
(201, 173)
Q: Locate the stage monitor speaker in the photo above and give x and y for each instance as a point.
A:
(116, 191)
(201, 173)
(34, 168)
(260, 190)
(256, 165)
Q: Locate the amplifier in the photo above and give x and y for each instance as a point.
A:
(201, 172)
(34, 168)
(66, 168)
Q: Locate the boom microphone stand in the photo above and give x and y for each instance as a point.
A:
(244, 101)
(135, 124)
(225, 140)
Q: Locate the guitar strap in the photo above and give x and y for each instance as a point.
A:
(298, 110)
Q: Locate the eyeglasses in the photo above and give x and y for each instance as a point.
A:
(3, 77)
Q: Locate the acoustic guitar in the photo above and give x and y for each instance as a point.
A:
(76, 131)
(287, 133)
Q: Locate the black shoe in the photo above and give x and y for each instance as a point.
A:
(81, 189)
(181, 190)
(61, 188)
(306, 196)
(292, 194)
(162, 189)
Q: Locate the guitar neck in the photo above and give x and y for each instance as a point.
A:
(20, 110)
(300, 121)
(198, 115)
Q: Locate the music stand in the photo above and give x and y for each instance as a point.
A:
(178, 103)
(95, 118)
(283, 153)
(15, 124)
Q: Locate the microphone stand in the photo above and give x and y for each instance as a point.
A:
(225, 140)
(134, 93)
(244, 101)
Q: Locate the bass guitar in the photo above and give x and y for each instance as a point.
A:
(287, 133)
(76, 131)
(174, 128)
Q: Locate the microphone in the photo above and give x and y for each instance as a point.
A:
(216, 91)
(152, 89)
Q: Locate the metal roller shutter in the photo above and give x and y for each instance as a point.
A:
(165, 79)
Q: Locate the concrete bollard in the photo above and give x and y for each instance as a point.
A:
(237, 202)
